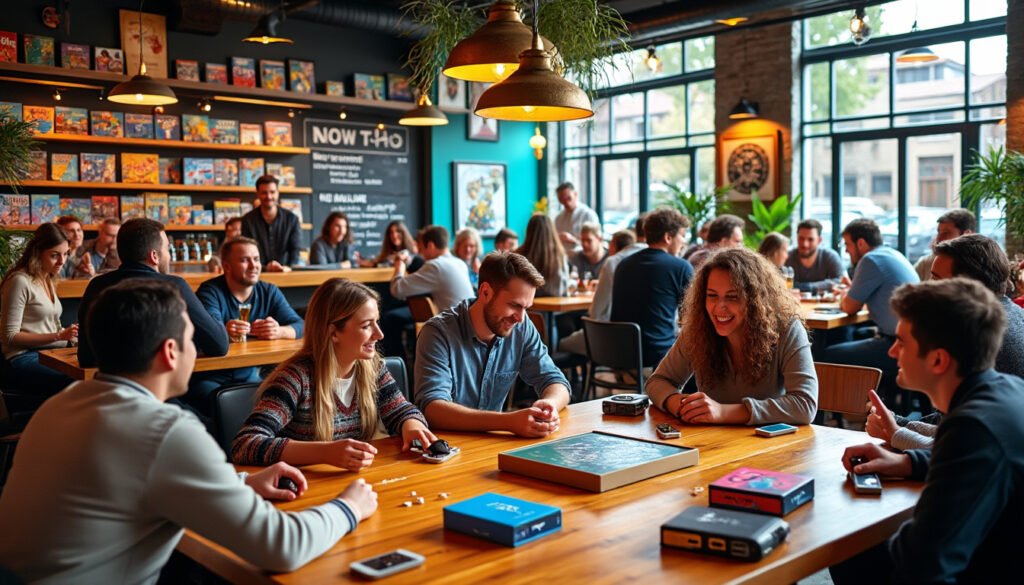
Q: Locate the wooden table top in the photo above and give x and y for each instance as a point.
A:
(255, 352)
(561, 304)
(606, 538)
(73, 289)
(818, 320)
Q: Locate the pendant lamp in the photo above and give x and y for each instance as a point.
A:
(266, 31)
(492, 52)
(142, 90)
(424, 114)
(744, 110)
(916, 54)
(534, 92)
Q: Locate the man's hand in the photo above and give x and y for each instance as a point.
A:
(400, 268)
(237, 329)
(881, 423)
(350, 454)
(361, 498)
(568, 239)
(275, 266)
(879, 460)
(414, 429)
(86, 264)
(534, 421)
(264, 482)
(266, 328)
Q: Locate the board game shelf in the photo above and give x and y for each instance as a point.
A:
(159, 187)
(167, 227)
(154, 143)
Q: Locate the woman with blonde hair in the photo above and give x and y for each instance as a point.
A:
(543, 249)
(325, 402)
(745, 342)
(468, 247)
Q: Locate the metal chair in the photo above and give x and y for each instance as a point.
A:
(564, 360)
(231, 406)
(844, 389)
(614, 346)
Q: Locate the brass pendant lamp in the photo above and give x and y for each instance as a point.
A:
(534, 92)
(424, 114)
(266, 31)
(142, 90)
(492, 52)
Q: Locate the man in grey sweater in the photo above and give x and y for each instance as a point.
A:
(107, 476)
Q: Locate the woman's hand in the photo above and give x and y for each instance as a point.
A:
(68, 333)
(699, 408)
(414, 429)
(350, 454)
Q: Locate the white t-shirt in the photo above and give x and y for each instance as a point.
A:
(345, 390)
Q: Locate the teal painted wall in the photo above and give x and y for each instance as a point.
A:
(449, 144)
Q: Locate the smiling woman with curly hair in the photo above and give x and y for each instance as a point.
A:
(743, 340)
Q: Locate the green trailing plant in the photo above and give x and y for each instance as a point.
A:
(446, 23)
(996, 179)
(699, 207)
(16, 145)
(12, 243)
(770, 218)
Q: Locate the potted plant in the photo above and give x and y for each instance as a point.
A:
(996, 179)
(16, 144)
(699, 207)
(770, 218)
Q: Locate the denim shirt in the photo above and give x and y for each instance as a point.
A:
(452, 364)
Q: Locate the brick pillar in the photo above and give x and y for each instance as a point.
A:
(1014, 93)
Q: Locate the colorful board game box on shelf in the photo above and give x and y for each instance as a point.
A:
(103, 207)
(195, 128)
(8, 46)
(225, 171)
(140, 168)
(368, 87)
(170, 170)
(186, 69)
(201, 216)
(74, 56)
(243, 72)
(294, 206)
(245, 207)
(285, 174)
(108, 59)
(98, 167)
(45, 208)
(224, 131)
(225, 209)
(38, 49)
(278, 133)
(250, 169)
(156, 206)
(250, 134)
(502, 519)
(198, 171)
(14, 110)
(138, 125)
(272, 74)
(71, 120)
(64, 167)
(180, 209)
(15, 210)
(217, 73)
(301, 76)
(105, 123)
(334, 88)
(167, 127)
(41, 115)
(79, 207)
(398, 88)
(761, 491)
(132, 207)
(37, 166)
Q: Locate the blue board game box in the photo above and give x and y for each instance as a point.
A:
(502, 519)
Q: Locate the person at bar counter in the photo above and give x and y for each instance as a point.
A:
(966, 524)
(816, 268)
(592, 254)
(30, 314)
(334, 246)
(143, 247)
(468, 357)
(397, 245)
(108, 475)
(574, 214)
(323, 404)
(102, 251)
(270, 315)
(275, 229)
(746, 345)
(76, 262)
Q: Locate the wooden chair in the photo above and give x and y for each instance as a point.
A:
(422, 308)
(844, 389)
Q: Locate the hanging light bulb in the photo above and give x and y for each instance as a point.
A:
(342, 115)
(652, 61)
(56, 95)
(538, 143)
(204, 105)
(291, 113)
(142, 90)
(380, 125)
(492, 52)
(424, 114)
(860, 30)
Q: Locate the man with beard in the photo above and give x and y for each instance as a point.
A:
(270, 315)
(815, 269)
(274, 228)
(468, 357)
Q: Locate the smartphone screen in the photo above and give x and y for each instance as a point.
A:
(777, 428)
(386, 561)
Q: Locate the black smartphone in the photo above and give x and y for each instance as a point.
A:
(864, 483)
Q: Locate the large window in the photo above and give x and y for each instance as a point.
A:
(651, 128)
(890, 140)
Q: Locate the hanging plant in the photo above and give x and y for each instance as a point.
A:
(446, 23)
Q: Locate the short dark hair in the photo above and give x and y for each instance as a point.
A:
(623, 239)
(565, 185)
(64, 220)
(809, 224)
(434, 234)
(772, 243)
(979, 258)
(499, 268)
(662, 221)
(129, 321)
(962, 219)
(864, 229)
(971, 327)
(235, 219)
(722, 227)
(137, 237)
(228, 246)
(111, 221)
(505, 234)
(638, 226)
(264, 180)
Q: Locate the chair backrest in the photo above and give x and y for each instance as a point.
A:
(843, 388)
(538, 321)
(615, 345)
(231, 406)
(396, 366)
(422, 308)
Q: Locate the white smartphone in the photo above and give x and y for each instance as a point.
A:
(440, 458)
(387, 564)
(775, 430)
(667, 431)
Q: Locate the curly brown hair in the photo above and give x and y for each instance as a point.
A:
(770, 309)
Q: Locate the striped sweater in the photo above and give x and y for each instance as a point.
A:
(285, 412)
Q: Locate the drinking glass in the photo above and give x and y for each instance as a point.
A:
(243, 315)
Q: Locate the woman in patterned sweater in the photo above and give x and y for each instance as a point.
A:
(323, 403)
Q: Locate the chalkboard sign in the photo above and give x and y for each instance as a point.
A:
(365, 171)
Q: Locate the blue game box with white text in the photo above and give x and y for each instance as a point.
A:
(505, 520)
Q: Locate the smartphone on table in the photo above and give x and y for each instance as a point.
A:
(775, 430)
(387, 564)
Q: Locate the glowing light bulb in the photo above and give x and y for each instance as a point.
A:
(528, 109)
(138, 97)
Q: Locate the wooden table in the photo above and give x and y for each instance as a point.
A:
(606, 538)
(255, 352)
(562, 304)
(817, 320)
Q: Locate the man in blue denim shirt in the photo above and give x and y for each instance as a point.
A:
(468, 357)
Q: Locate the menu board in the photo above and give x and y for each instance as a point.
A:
(365, 171)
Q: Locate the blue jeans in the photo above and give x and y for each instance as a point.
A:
(24, 372)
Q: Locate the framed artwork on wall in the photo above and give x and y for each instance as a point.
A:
(154, 42)
(479, 193)
(750, 164)
(481, 129)
(451, 93)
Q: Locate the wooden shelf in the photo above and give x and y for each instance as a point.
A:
(168, 227)
(152, 143)
(158, 187)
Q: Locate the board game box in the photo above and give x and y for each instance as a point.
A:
(271, 74)
(104, 206)
(138, 125)
(79, 207)
(761, 491)
(98, 167)
(108, 59)
(502, 519)
(186, 69)
(8, 46)
(224, 131)
(167, 127)
(140, 168)
(180, 209)
(195, 128)
(301, 76)
(597, 461)
(278, 133)
(251, 134)
(170, 170)
(250, 169)
(74, 56)
(45, 208)
(243, 71)
(71, 120)
(156, 206)
(64, 167)
(14, 110)
(15, 210)
(36, 170)
(225, 209)
(104, 123)
(198, 171)
(41, 115)
(38, 49)
(217, 73)
(225, 171)
(132, 207)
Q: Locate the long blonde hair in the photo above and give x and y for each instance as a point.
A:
(332, 305)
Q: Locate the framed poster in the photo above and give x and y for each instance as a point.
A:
(154, 42)
(750, 164)
(481, 129)
(478, 191)
(451, 93)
